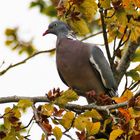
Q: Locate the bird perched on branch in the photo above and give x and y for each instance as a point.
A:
(81, 66)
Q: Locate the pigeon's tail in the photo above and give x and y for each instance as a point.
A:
(113, 93)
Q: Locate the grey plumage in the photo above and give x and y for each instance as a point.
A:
(81, 66)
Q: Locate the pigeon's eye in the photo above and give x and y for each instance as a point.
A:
(55, 24)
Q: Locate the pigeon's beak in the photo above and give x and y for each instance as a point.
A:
(46, 32)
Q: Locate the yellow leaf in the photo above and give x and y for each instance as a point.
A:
(7, 110)
(24, 104)
(43, 137)
(57, 133)
(121, 18)
(67, 120)
(134, 26)
(81, 122)
(47, 109)
(125, 97)
(66, 97)
(132, 123)
(93, 128)
(134, 113)
(93, 113)
(79, 26)
(105, 3)
(88, 8)
(115, 133)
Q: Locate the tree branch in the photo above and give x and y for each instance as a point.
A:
(92, 35)
(36, 99)
(105, 36)
(10, 99)
(125, 60)
(25, 60)
(36, 116)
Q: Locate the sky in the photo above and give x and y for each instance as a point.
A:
(38, 75)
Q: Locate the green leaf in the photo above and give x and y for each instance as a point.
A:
(134, 73)
(57, 133)
(136, 57)
(67, 120)
(67, 96)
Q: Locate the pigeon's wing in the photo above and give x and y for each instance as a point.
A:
(98, 61)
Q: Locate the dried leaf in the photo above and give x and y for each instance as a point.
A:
(126, 114)
(82, 135)
(47, 127)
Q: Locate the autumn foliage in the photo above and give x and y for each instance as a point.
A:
(119, 23)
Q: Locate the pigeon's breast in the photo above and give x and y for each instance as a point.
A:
(72, 59)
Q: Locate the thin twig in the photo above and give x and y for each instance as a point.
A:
(120, 42)
(28, 124)
(113, 57)
(126, 82)
(91, 35)
(38, 121)
(111, 15)
(105, 36)
(126, 39)
(134, 85)
(25, 60)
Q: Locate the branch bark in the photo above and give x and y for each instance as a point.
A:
(125, 60)
(72, 107)
(105, 35)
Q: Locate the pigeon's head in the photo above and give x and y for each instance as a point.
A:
(57, 28)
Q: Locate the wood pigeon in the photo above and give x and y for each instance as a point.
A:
(81, 66)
